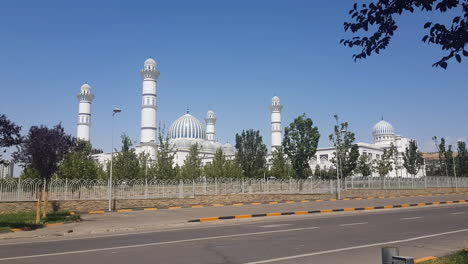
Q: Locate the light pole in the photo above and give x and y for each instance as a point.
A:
(339, 171)
(115, 111)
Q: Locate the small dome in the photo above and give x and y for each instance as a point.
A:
(85, 87)
(187, 126)
(228, 149)
(383, 128)
(210, 114)
(275, 99)
(150, 62)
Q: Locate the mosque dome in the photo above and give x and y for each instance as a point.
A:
(187, 126)
(85, 87)
(149, 62)
(383, 128)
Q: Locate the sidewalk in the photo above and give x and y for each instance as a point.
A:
(178, 218)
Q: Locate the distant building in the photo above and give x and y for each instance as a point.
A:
(6, 170)
(384, 136)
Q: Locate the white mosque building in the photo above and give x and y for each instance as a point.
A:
(187, 130)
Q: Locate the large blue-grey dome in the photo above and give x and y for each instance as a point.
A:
(187, 126)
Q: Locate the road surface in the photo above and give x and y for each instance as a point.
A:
(338, 238)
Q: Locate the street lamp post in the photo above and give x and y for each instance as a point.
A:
(339, 171)
(115, 111)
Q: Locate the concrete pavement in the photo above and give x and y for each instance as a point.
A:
(356, 238)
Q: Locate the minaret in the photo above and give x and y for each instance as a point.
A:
(85, 98)
(150, 75)
(276, 130)
(210, 120)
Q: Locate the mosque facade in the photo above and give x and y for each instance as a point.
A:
(187, 131)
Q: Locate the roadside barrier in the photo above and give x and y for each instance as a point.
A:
(207, 219)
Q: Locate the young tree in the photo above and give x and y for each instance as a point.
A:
(78, 163)
(383, 165)
(192, 168)
(300, 144)
(251, 153)
(232, 169)
(378, 16)
(163, 167)
(42, 150)
(347, 153)
(462, 159)
(449, 160)
(9, 135)
(217, 167)
(412, 159)
(442, 155)
(126, 165)
(280, 167)
(364, 165)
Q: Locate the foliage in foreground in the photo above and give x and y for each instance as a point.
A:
(27, 219)
(456, 258)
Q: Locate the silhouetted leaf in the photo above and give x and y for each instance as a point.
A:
(428, 24)
(458, 57)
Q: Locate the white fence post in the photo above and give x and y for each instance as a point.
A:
(181, 189)
(216, 186)
(66, 189)
(19, 187)
(193, 187)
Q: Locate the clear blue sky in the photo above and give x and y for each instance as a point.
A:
(229, 57)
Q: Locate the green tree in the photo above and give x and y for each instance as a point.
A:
(126, 165)
(364, 165)
(163, 167)
(462, 159)
(383, 165)
(449, 160)
(412, 159)
(232, 169)
(43, 150)
(192, 168)
(347, 152)
(378, 16)
(216, 169)
(9, 135)
(251, 153)
(300, 144)
(280, 168)
(442, 155)
(78, 163)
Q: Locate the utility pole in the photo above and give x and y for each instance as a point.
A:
(115, 111)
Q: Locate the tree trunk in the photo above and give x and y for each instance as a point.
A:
(46, 202)
(38, 207)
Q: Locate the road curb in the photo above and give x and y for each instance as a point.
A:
(208, 219)
(258, 203)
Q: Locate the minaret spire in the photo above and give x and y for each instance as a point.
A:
(210, 120)
(276, 129)
(150, 75)
(85, 98)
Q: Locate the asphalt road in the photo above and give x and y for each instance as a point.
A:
(339, 238)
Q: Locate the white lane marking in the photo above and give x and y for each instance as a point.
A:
(411, 218)
(160, 243)
(277, 225)
(355, 247)
(457, 213)
(351, 224)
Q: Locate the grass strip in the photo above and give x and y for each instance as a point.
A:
(460, 257)
(27, 219)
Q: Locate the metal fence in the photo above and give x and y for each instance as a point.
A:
(15, 189)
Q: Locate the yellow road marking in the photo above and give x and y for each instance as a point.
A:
(206, 219)
(273, 214)
(424, 259)
(301, 212)
(326, 211)
(243, 216)
(150, 209)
